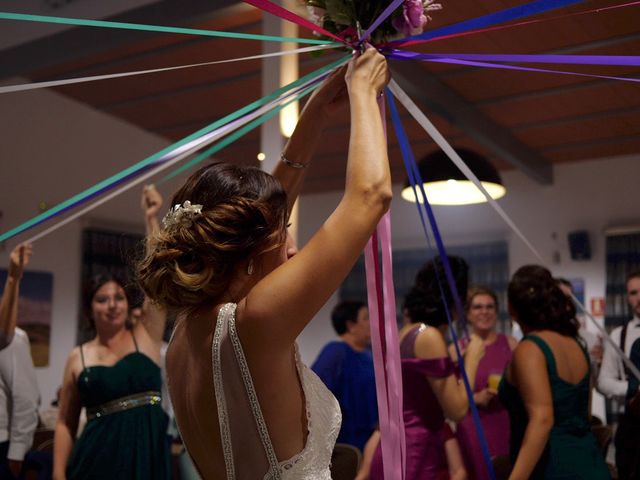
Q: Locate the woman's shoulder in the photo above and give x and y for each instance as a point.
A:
(430, 344)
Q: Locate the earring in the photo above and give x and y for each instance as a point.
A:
(250, 267)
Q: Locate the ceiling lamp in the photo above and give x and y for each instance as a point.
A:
(446, 185)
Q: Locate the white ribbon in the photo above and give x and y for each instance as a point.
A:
(184, 152)
(69, 81)
(437, 137)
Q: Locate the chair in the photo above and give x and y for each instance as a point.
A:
(345, 462)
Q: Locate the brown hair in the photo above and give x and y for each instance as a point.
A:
(480, 290)
(538, 302)
(192, 261)
(92, 285)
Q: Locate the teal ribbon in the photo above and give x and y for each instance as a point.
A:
(82, 196)
(236, 135)
(156, 28)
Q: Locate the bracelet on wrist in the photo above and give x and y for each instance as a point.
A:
(288, 162)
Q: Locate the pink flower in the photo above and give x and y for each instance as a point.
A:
(412, 20)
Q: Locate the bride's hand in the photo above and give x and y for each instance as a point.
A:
(331, 97)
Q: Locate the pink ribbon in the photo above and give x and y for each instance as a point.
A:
(281, 12)
(385, 346)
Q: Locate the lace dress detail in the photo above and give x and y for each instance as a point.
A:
(242, 425)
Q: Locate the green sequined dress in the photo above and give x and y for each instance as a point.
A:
(128, 444)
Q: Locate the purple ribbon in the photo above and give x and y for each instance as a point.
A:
(381, 18)
(617, 60)
(416, 182)
(403, 55)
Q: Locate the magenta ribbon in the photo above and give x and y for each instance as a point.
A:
(386, 346)
(281, 12)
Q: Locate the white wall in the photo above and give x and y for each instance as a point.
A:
(52, 147)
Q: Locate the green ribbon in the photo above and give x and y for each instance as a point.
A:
(236, 135)
(140, 165)
(156, 28)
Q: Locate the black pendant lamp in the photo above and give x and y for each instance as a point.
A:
(445, 184)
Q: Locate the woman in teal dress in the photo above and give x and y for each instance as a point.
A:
(546, 387)
(116, 377)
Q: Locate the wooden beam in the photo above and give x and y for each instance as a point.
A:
(432, 94)
(80, 42)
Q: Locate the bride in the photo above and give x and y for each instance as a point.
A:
(246, 406)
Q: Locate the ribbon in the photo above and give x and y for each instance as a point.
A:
(262, 117)
(529, 22)
(69, 81)
(618, 60)
(285, 14)
(417, 183)
(514, 13)
(403, 55)
(153, 28)
(386, 347)
(433, 132)
(162, 155)
(381, 18)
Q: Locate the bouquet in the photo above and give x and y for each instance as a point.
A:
(343, 17)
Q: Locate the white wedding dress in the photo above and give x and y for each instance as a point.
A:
(247, 447)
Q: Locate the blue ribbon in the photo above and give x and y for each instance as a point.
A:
(514, 13)
(416, 183)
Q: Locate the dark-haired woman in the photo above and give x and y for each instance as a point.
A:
(546, 388)
(245, 404)
(116, 377)
(431, 391)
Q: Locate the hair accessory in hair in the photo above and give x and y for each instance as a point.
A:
(181, 214)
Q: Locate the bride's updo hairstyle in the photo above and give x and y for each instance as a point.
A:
(192, 258)
(539, 304)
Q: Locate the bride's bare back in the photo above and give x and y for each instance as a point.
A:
(190, 373)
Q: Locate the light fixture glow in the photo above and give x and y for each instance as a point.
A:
(444, 184)
(261, 156)
(455, 192)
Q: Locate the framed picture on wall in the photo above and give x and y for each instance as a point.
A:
(34, 311)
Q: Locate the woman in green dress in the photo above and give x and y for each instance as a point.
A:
(546, 387)
(116, 377)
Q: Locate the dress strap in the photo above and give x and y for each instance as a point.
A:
(546, 350)
(246, 446)
(82, 357)
(135, 342)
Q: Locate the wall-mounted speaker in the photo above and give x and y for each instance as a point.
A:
(579, 245)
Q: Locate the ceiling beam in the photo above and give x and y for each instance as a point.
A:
(80, 42)
(431, 93)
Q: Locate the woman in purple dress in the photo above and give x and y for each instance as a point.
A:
(482, 314)
(431, 391)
